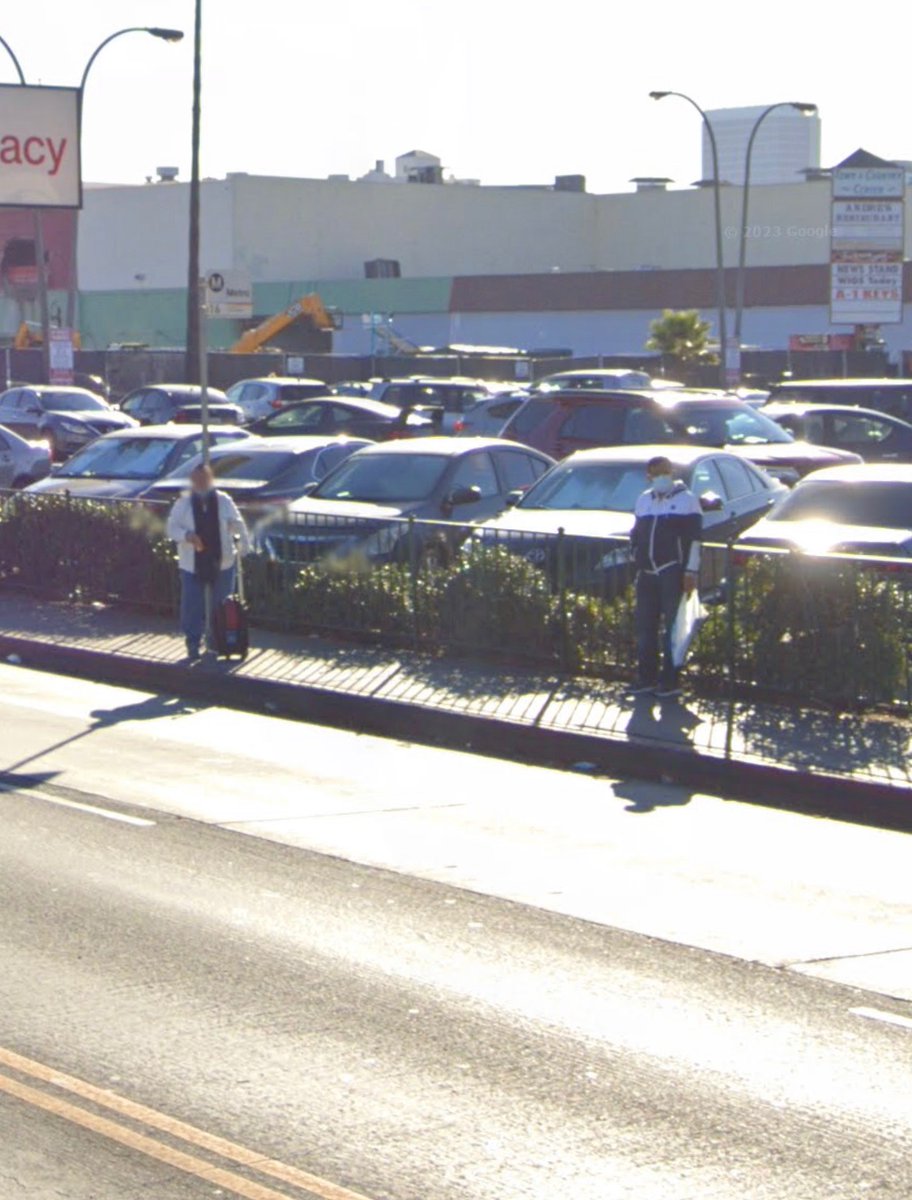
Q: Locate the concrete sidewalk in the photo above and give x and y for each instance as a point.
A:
(853, 766)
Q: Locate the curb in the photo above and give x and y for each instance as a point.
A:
(813, 793)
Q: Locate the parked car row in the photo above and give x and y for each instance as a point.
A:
(342, 473)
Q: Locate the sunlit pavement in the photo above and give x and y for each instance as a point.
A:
(313, 993)
(402, 689)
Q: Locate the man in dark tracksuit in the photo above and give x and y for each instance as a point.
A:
(666, 549)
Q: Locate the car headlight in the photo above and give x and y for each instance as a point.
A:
(71, 427)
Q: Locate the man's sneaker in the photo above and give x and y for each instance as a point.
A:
(640, 689)
(193, 651)
(665, 691)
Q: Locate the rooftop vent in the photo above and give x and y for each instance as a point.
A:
(651, 183)
(166, 174)
(570, 183)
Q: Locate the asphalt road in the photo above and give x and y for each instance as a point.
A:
(187, 1011)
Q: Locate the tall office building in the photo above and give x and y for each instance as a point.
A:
(787, 144)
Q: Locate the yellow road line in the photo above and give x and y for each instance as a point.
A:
(137, 1141)
(150, 1117)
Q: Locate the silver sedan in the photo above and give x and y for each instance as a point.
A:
(22, 462)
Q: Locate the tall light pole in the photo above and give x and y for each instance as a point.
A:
(194, 299)
(806, 110)
(717, 198)
(16, 63)
(38, 241)
(165, 35)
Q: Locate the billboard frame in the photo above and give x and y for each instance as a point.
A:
(77, 94)
(867, 249)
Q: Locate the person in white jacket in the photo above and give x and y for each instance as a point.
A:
(204, 524)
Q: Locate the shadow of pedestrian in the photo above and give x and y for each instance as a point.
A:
(669, 721)
(647, 797)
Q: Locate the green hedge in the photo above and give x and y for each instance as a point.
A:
(815, 629)
(86, 550)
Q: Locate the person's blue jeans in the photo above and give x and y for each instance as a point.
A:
(193, 605)
(657, 600)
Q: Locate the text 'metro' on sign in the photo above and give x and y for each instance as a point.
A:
(39, 147)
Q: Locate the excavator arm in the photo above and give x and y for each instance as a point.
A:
(29, 337)
(307, 306)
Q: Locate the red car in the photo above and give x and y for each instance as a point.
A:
(562, 422)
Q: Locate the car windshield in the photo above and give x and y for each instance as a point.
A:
(613, 486)
(120, 458)
(725, 425)
(251, 466)
(71, 402)
(384, 478)
(883, 504)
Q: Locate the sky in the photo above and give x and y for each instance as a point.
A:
(504, 91)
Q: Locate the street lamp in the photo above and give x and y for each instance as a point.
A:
(165, 35)
(197, 361)
(806, 110)
(720, 261)
(16, 63)
(38, 242)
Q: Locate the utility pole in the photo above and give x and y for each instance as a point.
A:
(194, 296)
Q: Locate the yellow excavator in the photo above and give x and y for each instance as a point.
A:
(307, 306)
(28, 337)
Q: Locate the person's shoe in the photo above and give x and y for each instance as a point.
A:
(667, 691)
(640, 689)
(193, 651)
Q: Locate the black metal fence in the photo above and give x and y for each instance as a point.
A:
(832, 630)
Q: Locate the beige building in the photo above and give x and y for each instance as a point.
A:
(294, 234)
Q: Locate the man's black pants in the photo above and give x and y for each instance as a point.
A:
(658, 598)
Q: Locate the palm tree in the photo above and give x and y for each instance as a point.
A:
(681, 336)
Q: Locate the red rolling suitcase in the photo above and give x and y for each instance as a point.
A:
(230, 624)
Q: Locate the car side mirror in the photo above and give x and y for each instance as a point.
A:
(711, 502)
(513, 498)
(309, 488)
(463, 495)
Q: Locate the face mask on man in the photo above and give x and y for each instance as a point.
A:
(662, 484)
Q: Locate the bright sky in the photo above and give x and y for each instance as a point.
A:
(508, 91)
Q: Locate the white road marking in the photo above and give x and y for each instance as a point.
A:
(107, 813)
(878, 1014)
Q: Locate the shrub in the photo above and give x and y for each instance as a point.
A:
(491, 599)
(90, 550)
(376, 601)
(825, 629)
(600, 635)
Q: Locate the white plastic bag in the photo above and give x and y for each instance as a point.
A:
(690, 616)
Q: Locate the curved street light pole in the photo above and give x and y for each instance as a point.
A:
(807, 110)
(38, 242)
(717, 202)
(16, 63)
(165, 35)
(19, 71)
